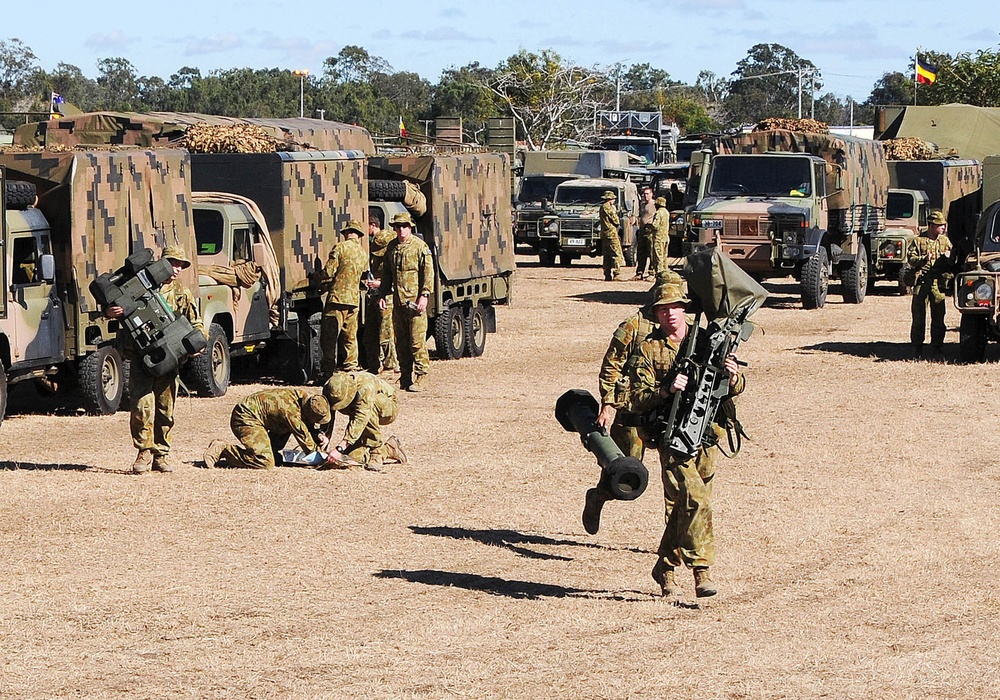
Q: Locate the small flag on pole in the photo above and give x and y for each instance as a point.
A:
(57, 99)
(926, 73)
(402, 127)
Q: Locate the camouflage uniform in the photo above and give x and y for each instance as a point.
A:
(263, 422)
(369, 404)
(612, 378)
(688, 536)
(407, 275)
(930, 288)
(644, 241)
(338, 336)
(379, 344)
(660, 236)
(610, 242)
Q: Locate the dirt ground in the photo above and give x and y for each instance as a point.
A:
(857, 546)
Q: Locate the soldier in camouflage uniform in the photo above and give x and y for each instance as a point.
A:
(661, 236)
(610, 241)
(408, 276)
(929, 255)
(341, 281)
(264, 421)
(644, 241)
(688, 537)
(153, 398)
(369, 403)
(379, 344)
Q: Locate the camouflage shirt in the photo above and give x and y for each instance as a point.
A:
(624, 342)
(280, 412)
(342, 274)
(661, 224)
(361, 408)
(609, 218)
(408, 270)
(376, 251)
(937, 268)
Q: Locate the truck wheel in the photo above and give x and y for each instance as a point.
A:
(20, 195)
(629, 255)
(475, 332)
(102, 380)
(387, 190)
(209, 371)
(566, 259)
(972, 338)
(3, 394)
(449, 333)
(815, 280)
(854, 279)
(546, 258)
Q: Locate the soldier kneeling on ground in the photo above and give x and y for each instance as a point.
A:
(369, 403)
(264, 421)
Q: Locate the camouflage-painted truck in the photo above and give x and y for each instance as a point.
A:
(93, 209)
(916, 187)
(785, 203)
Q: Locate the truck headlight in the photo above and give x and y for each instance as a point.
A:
(983, 292)
(553, 227)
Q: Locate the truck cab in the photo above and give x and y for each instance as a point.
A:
(905, 219)
(572, 229)
(977, 291)
(534, 199)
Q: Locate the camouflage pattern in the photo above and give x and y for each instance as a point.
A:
(263, 422)
(379, 342)
(660, 238)
(930, 259)
(612, 245)
(408, 274)
(341, 282)
(369, 403)
(644, 238)
(613, 378)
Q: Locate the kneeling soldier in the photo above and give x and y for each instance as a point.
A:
(369, 403)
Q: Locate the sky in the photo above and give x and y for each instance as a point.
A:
(852, 42)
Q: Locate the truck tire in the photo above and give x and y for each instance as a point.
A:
(629, 254)
(386, 190)
(854, 279)
(209, 372)
(815, 280)
(20, 195)
(3, 393)
(546, 258)
(566, 259)
(475, 332)
(449, 333)
(102, 380)
(972, 338)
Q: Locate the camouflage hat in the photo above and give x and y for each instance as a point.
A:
(663, 277)
(403, 218)
(175, 252)
(353, 226)
(339, 390)
(608, 194)
(670, 293)
(316, 410)
(936, 216)
(661, 201)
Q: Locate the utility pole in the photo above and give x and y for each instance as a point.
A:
(426, 123)
(321, 113)
(302, 73)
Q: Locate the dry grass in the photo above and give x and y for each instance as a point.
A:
(858, 554)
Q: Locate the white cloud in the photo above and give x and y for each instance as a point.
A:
(115, 39)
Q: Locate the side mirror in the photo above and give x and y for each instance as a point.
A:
(48, 263)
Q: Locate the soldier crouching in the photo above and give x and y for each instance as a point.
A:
(369, 404)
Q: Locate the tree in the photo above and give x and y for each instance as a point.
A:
(775, 93)
(17, 64)
(355, 65)
(119, 84)
(967, 78)
(463, 92)
(891, 89)
(76, 88)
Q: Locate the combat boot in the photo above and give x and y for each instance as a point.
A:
(161, 463)
(419, 384)
(143, 462)
(592, 510)
(213, 453)
(375, 461)
(703, 586)
(663, 574)
(394, 451)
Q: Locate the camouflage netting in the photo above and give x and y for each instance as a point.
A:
(235, 138)
(805, 126)
(909, 148)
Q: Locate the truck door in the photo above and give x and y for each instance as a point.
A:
(35, 306)
(252, 307)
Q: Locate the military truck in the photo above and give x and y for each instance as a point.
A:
(572, 228)
(93, 209)
(785, 203)
(643, 135)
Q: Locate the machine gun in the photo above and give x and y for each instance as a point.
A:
(163, 339)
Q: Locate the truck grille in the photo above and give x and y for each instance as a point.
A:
(736, 228)
(576, 226)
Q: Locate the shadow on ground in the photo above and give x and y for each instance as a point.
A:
(878, 350)
(9, 465)
(515, 541)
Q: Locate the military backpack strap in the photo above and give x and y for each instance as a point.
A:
(726, 418)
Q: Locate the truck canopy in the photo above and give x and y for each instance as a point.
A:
(961, 130)
(590, 163)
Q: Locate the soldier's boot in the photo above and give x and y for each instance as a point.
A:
(394, 451)
(663, 574)
(143, 462)
(375, 461)
(161, 463)
(213, 453)
(418, 384)
(592, 510)
(703, 586)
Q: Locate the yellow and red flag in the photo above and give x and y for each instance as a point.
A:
(926, 73)
(402, 127)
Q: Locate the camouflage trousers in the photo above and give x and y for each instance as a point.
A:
(688, 537)
(258, 449)
(368, 446)
(338, 340)
(922, 298)
(658, 253)
(378, 342)
(410, 330)
(152, 416)
(628, 440)
(613, 257)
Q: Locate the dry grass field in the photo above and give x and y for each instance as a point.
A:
(858, 553)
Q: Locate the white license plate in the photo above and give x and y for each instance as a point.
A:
(576, 241)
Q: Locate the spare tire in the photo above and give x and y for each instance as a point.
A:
(20, 195)
(386, 190)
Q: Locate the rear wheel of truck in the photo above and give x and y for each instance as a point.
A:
(449, 333)
(387, 190)
(972, 338)
(815, 280)
(3, 394)
(209, 372)
(475, 331)
(102, 380)
(854, 279)
(546, 258)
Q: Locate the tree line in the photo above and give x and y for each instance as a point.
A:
(552, 100)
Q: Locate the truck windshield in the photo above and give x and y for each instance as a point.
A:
(766, 176)
(899, 206)
(208, 227)
(536, 188)
(579, 195)
(644, 150)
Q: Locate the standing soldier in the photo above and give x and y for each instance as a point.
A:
(380, 348)
(644, 241)
(264, 421)
(369, 403)
(688, 537)
(929, 255)
(153, 398)
(610, 242)
(408, 275)
(341, 281)
(660, 236)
